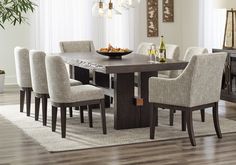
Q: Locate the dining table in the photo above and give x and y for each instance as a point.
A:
(130, 111)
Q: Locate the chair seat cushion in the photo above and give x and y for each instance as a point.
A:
(163, 75)
(86, 93)
(75, 82)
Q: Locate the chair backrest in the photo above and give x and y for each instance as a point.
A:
(172, 51)
(77, 46)
(191, 51)
(22, 67)
(202, 78)
(143, 48)
(38, 72)
(58, 79)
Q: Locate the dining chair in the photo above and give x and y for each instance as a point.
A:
(77, 46)
(190, 52)
(172, 52)
(63, 95)
(23, 77)
(40, 84)
(144, 47)
(197, 87)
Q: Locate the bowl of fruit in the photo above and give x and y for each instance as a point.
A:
(113, 53)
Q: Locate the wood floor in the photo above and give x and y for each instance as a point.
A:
(18, 148)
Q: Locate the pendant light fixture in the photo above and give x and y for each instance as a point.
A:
(99, 8)
(112, 10)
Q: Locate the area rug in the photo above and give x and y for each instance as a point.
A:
(80, 136)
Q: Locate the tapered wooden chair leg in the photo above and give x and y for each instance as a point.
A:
(37, 105)
(103, 116)
(54, 118)
(71, 112)
(171, 117)
(28, 101)
(81, 114)
(63, 122)
(203, 115)
(183, 114)
(22, 100)
(90, 115)
(216, 121)
(44, 110)
(190, 127)
(153, 116)
(156, 109)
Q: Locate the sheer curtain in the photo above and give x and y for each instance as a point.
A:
(212, 23)
(60, 20)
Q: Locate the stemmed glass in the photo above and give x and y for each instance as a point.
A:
(152, 53)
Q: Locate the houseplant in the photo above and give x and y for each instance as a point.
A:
(13, 11)
(2, 78)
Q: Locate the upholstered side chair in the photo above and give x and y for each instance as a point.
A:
(23, 77)
(172, 52)
(197, 87)
(40, 84)
(63, 95)
(190, 52)
(77, 46)
(144, 47)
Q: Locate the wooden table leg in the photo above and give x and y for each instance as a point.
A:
(81, 74)
(143, 93)
(126, 114)
(103, 80)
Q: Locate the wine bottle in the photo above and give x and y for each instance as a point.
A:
(162, 50)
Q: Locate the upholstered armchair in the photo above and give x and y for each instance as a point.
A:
(189, 53)
(197, 87)
(40, 84)
(62, 95)
(23, 77)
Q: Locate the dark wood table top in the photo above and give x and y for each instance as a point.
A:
(128, 64)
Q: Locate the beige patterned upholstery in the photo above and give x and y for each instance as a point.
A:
(59, 84)
(75, 82)
(200, 83)
(77, 46)
(22, 67)
(143, 48)
(38, 72)
(172, 52)
(191, 51)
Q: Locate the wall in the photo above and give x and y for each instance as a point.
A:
(183, 31)
(10, 38)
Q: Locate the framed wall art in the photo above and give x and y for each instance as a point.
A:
(152, 18)
(168, 10)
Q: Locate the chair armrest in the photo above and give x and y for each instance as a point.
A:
(168, 91)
